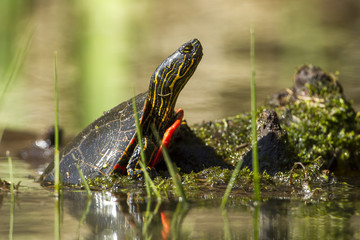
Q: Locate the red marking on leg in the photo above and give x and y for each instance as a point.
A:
(120, 168)
(166, 222)
(123, 169)
(167, 136)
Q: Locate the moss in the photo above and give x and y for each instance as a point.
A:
(322, 130)
(323, 126)
(116, 182)
(229, 137)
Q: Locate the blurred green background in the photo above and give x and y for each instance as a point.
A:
(108, 48)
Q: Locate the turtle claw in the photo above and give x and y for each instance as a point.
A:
(139, 174)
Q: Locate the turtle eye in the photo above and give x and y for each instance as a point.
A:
(187, 48)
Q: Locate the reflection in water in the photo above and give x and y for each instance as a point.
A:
(119, 216)
(130, 215)
(102, 213)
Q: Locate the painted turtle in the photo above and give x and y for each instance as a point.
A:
(109, 144)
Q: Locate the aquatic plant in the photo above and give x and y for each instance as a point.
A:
(253, 134)
(323, 127)
(255, 160)
(148, 182)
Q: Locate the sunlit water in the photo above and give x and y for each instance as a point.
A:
(134, 38)
(288, 34)
(127, 216)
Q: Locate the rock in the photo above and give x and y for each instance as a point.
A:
(306, 77)
(190, 153)
(273, 149)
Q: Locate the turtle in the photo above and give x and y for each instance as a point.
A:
(109, 145)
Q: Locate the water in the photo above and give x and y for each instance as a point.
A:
(333, 214)
(134, 38)
(129, 46)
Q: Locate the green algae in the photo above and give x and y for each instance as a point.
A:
(323, 126)
(322, 131)
(230, 137)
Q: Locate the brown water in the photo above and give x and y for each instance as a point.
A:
(132, 39)
(107, 50)
(330, 212)
(123, 216)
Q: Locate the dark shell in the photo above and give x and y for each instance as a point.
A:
(101, 145)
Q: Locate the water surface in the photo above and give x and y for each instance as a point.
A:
(108, 51)
(334, 214)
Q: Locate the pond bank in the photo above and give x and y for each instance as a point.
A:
(311, 123)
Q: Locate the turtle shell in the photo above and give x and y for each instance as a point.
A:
(108, 141)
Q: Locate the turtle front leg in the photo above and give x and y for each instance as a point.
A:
(134, 168)
(168, 135)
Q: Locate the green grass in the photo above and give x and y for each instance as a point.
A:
(9, 77)
(57, 189)
(56, 155)
(255, 161)
(86, 185)
(231, 184)
(56, 151)
(83, 217)
(15, 64)
(12, 193)
(236, 171)
(253, 119)
(227, 229)
(177, 219)
(14, 68)
(57, 215)
(148, 218)
(148, 182)
(256, 220)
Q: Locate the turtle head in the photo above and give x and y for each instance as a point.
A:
(171, 76)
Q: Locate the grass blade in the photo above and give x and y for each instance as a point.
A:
(253, 132)
(11, 228)
(14, 69)
(56, 151)
(177, 220)
(86, 185)
(148, 218)
(253, 119)
(57, 219)
(56, 155)
(227, 230)
(148, 182)
(16, 64)
(172, 170)
(256, 221)
(83, 217)
(231, 184)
